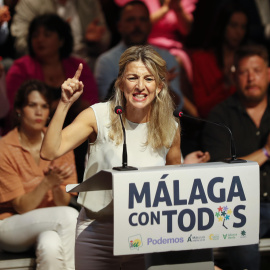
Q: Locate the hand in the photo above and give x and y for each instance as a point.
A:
(57, 175)
(197, 157)
(4, 14)
(72, 88)
(94, 31)
(64, 171)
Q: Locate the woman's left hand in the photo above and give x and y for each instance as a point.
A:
(197, 157)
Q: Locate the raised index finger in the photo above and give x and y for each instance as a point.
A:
(78, 72)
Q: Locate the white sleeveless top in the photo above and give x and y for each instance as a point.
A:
(103, 154)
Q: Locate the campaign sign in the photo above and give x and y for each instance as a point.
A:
(184, 207)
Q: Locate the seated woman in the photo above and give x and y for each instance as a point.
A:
(33, 200)
(213, 67)
(50, 44)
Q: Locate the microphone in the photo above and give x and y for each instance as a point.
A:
(233, 158)
(119, 110)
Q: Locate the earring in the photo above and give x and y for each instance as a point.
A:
(19, 115)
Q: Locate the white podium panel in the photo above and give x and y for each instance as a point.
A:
(186, 207)
(182, 207)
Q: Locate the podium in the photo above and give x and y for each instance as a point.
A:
(181, 207)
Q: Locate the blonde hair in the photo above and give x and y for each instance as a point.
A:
(161, 125)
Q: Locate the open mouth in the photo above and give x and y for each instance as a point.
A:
(139, 96)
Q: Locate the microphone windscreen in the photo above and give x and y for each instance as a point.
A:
(118, 109)
(177, 113)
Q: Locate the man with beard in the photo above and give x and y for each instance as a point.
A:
(134, 27)
(247, 114)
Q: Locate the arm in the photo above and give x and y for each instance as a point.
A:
(57, 141)
(60, 196)
(60, 173)
(33, 199)
(185, 18)
(161, 12)
(64, 172)
(259, 156)
(174, 155)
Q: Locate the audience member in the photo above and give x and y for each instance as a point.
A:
(134, 26)
(33, 200)
(247, 114)
(172, 21)
(111, 12)
(50, 44)
(258, 12)
(90, 33)
(213, 67)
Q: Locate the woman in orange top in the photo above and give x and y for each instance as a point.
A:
(33, 201)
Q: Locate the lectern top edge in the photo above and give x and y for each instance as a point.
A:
(195, 165)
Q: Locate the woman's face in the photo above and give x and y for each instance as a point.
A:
(236, 29)
(45, 43)
(35, 113)
(139, 87)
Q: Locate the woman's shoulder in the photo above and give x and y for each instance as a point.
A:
(8, 142)
(101, 107)
(25, 62)
(25, 59)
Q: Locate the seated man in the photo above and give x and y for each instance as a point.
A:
(247, 114)
(134, 26)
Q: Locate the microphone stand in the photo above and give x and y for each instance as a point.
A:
(233, 158)
(124, 167)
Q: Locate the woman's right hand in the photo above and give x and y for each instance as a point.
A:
(72, 88)
(55, 176)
